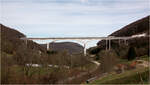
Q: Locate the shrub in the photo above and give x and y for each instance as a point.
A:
(122, 51)
(51, 52)
(141, 51)
(97, 57)
(131, 53)
(94, 50)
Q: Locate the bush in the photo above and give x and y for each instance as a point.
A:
(51, 52)
(141, 51)
(94, 50)
(97, 57)
(131, 53)
(122, 51)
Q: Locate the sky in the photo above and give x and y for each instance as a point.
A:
(71, 18)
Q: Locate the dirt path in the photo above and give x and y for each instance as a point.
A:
(79, 76)
(97, 63)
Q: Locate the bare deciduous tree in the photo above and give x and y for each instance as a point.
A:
(108, 60)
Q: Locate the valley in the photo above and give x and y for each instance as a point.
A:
(112, 61)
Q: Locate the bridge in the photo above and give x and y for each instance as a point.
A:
(81, 39)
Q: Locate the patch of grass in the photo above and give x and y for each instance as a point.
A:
(86, 67)
(128, 77)
(90, 66)
(145, 57)
(34, 70)
(125, 61)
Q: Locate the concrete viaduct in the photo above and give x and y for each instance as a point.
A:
(109, 38)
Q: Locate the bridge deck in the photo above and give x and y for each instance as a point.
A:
(77, 38)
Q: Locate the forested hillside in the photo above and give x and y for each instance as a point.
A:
(137, 27)
(72, 48)
(140, 43)
(11, 41)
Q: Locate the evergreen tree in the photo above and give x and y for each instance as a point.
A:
(131, 53)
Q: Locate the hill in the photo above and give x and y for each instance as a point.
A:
(138, 29)
(72, 48)
(11, 44)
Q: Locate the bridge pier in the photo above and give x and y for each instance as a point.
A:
(84, 46)
(49, 43)
(26, 42)
(109, 44)
(125, 41)
(47, 46)
(84, 49)
(106, 44)
(119, 41)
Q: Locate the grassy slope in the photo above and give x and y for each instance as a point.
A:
(128, 77)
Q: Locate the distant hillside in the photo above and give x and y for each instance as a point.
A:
(72, 48)
(139, 27)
